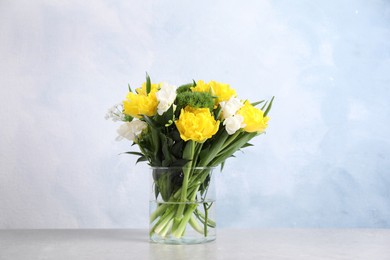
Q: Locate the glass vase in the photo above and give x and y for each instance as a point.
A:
(182, 205)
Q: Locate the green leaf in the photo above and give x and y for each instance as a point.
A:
(269, 107)
(177, 148)
(167, 182)
(247, 145)
(128, 118)
(156, 191)
(207, 155)
(179, 163)
(232, 148)
(166, 119)
(222, 165)
(165, 143)
(148, 84)
(169, 113)
(134, 153)
(263, 107)
(150, 121)
(130, 90)
(141, 159)
(217, 112)
(189, 150)
(155, 145)
(164, 185)
(257, 103)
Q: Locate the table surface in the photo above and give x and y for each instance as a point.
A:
(230, 244)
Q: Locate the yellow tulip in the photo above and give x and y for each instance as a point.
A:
(196, 124)
(254, 118)
(142, 90)
(141, 103)
(222, 91)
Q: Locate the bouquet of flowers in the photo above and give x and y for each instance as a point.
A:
(190, 127)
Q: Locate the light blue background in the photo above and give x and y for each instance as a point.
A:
(324, 161)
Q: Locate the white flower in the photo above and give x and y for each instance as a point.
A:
(115, 113)
(233, 123)
(165, 96)
(131, 130)
(230, 107)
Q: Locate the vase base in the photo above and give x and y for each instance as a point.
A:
(181, 241)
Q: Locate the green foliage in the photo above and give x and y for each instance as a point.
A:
(184, 88)
(269, 107)
(257, 103)
(195, 99)
(161, 145)
(128, 118)
(148, 84)
(167, 182)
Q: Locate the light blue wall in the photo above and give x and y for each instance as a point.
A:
(324, 161)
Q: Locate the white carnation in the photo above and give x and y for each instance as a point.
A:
(131, 130)
(233, 123)
(230, 107)
(165, 96)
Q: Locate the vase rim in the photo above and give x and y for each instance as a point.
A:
(178, 167)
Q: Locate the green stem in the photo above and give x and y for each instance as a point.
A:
(214, 150)
(194, 224)
(163, 221)
(183, 196)
(167, 227)
(160, 210)
(188, 154)
(230, 140)
(211, 223)
(206, 213)
(233, 147)
(179, 231)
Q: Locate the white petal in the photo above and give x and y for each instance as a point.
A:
(165, 96)
(230, 107)
(233, 123)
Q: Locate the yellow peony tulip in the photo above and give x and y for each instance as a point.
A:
(196, 124)
(142, 90)
(201, 86)
(253, 118)
(222, 91)
(141, 103)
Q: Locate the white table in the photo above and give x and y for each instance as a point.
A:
(237, 244)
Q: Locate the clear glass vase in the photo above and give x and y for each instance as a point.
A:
(182, 205)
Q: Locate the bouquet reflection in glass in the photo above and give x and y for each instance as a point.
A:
(184, 133)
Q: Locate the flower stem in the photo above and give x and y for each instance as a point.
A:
(194, 224)
(214, 150)
(160, 210)
(188, 154)
(206, 213)
(163, 221)
(179, 231)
